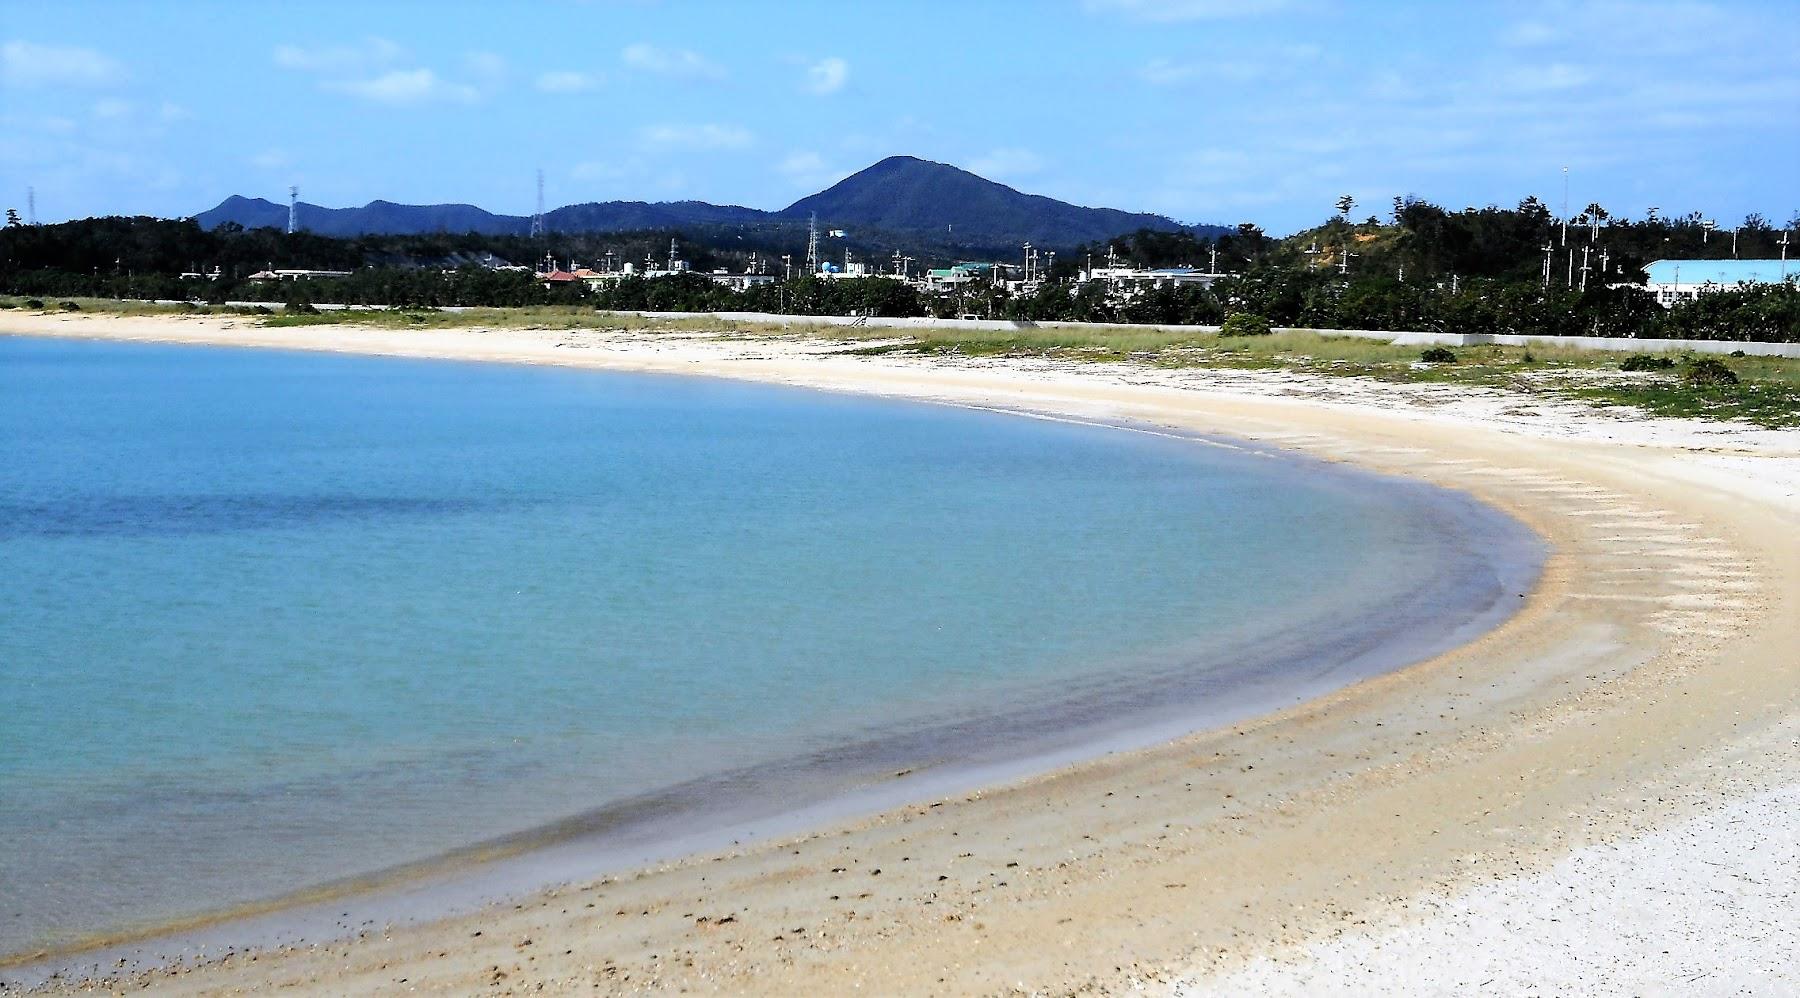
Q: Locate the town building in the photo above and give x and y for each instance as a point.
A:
(295, 274)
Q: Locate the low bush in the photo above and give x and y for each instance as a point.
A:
(299, 308)
(1646, 362)
(34, 303)
(1437, 355)
(1706, 372)
(1244, 324)
(70, 306)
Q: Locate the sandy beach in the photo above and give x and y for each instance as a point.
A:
(1596, 797)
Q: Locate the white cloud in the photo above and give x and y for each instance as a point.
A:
(1168, 73)
(1527, 34)
(363, 57)
(270, 159)
(827, 76)
(669, 62)
(171, 111)
(707, 136)
(567, 81)
(1165, 11)
(809, 171)
(112, 107)
(28, 64)
(1007, 163)
(406, 87)
(486, 66)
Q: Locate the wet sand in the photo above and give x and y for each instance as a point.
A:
(1658, 648)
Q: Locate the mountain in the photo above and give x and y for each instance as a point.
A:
(901, 196)
(374, 217)
(904, 194)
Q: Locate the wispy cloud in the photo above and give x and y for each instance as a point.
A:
(401, 87)
(567, 81)
(1007, 164)
(359, 58)
(683, 63)
(374, 70)
(29, 64)
(270, 159)
(1164, 11)
(704, 136)
(809, 171)
(827, 76)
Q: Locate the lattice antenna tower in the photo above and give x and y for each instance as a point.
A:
(293, 209)
(537, 220)
(30, 206)
(812, 243)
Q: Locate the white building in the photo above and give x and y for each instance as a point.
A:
(1674, 281)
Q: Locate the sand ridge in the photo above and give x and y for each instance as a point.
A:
(1660, 642)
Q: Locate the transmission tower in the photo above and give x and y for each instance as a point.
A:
(812, 243)
(293, 209)
(537, 220)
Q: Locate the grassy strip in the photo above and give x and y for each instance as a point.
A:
(1768, 395)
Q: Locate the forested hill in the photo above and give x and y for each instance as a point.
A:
(904, 194)
(900, 197)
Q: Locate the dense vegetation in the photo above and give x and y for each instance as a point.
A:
(1470, 271)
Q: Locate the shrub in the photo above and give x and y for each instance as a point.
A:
(34, 303)
(70, 306)
(299, 308)
(1706, 372)
(1646, 362)
(1737, 353)
(1437, 355)
(1244, 324)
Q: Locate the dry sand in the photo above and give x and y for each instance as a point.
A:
(1502, 810)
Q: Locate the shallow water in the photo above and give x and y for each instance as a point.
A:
(268, 620)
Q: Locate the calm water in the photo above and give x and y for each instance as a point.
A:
(270, 619)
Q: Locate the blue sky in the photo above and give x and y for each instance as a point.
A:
(1206, 110)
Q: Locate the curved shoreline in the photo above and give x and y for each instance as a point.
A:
(1600, 687)
(1139, 705)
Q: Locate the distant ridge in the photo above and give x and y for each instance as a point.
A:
(900, 195)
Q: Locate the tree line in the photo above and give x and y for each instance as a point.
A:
(1478, 270)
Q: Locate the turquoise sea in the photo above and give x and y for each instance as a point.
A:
(269, 620)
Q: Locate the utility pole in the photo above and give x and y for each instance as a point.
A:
(537, 219)
(1734, 232)
(1312, 251)
(293, 209)
(1565, 207)
(1403, 273)
(1454, 284)
(1571, 269)
(1548, 249)
(1584, 268)
(1344, 264)
(787, 267)
(1784, 246)
(1214, 267)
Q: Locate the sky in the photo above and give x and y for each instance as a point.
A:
(1219, 111)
